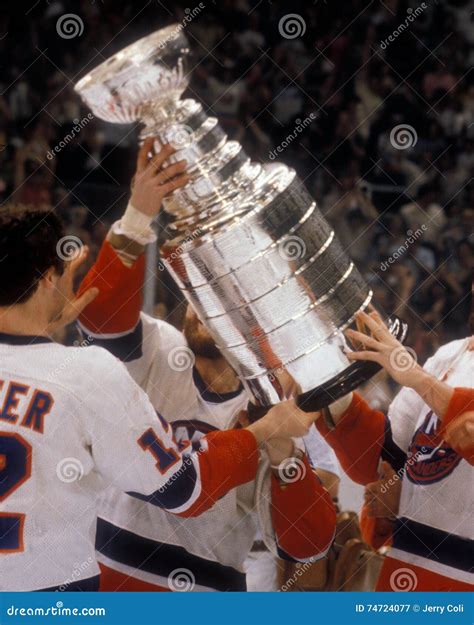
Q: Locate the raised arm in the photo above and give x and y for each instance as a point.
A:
(361, 436)
(182, 484)
(118, 273)
(448, 403)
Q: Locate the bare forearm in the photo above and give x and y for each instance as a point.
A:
(435, 393)
(279, 449)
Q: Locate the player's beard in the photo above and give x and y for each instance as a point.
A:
(198, 338)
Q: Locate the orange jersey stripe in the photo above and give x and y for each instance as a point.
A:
(398, 575)
(114, 581)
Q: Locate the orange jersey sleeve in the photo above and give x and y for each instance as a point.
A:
(303, 516)
(231, 459)
(116, 309)
(461, 401)
(458, 415)
(358, 440)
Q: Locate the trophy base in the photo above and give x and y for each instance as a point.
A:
(348, 380)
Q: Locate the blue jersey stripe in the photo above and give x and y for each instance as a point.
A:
(177, 491)
(162, 559)
(126, 348)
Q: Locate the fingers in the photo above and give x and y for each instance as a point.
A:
(143, 158)
(359, 325)
(85, 299)
(373, 356)
(79, 256)
(177, 183)
(153, 164)
(289, 420)
(375, 315)
(167, 178)
(73, 309)
(370, 499)
(374, 500)
(77, 305)
(288, 384)
(167, 173)
(376, 326)
(308, 418)
(366, 341)
(157, 161)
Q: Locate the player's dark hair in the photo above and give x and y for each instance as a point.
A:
(29, 240)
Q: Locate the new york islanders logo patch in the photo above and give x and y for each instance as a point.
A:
(430, 459)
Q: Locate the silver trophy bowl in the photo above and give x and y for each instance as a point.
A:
(250, 250)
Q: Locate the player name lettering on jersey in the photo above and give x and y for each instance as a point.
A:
(20, 404)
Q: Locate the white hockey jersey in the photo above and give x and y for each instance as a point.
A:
(435, 528)
(146, 543)
(72, 423)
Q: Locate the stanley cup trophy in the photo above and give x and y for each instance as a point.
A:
(249, 248)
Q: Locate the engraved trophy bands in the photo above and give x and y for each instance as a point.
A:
(249, 248)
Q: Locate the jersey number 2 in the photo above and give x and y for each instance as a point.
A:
(15, 470)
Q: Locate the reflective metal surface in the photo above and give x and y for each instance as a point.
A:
(250, 251)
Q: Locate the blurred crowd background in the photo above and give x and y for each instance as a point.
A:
(327, 101)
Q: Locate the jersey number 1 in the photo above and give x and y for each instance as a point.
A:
(165, 456)
(15, 470)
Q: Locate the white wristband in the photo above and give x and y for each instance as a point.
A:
(136, 226)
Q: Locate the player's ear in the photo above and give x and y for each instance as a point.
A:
(50, 279)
